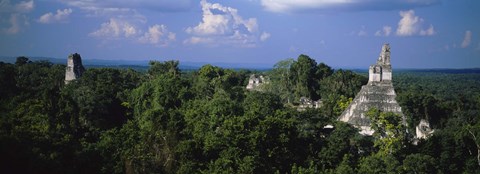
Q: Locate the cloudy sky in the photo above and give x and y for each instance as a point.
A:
(341, 33)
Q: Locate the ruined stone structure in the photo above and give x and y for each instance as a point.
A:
(378, 93)
(423, 130)
(254, 82)
(308, 103)
(75, 68)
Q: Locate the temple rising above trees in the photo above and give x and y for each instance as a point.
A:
(378, 93)
(75, 67)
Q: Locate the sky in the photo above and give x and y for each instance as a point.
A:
(340, 33)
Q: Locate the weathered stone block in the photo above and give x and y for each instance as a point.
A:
(74, 68)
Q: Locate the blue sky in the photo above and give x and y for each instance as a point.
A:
(341, 33)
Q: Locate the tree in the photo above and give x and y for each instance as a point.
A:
(168, 67)
(303, 72)
(379, 164)
(22, 60)
(419, 163)
(390, 132)
(281, 80)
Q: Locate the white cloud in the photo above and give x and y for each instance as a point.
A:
(157, 35)
(467, 39)
(283, 6)
(386, 31)
(198, 40)
(410, 25)
(114, 29)
(223, 25)
(14, 15)
(106, 9)
(265, 36)
(60, 16)
(227, 21)
(429, 32)
(25, 6)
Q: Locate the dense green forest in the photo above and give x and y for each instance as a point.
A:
(205, 121)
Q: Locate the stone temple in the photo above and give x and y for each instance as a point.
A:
(378, 93)
(74, 69)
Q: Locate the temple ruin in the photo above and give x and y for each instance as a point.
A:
(255, 82)
(74, 68)
(377, 93)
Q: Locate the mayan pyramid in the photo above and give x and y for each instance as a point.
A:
(378, 93)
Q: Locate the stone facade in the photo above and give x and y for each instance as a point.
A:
(423, 130)
(74, 68)
(378, 93)
(254, 82)
(308, 103)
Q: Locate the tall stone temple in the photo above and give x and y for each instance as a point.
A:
(378, 93)
(75, 68)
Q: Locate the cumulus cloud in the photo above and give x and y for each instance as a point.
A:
(467, 39)
(24, 6)
(283, 6)
(225, 20)
(14, 15)
(114, 29)
(223, 25)
(386, 30)
(428, 32)
(265, 36)
(410, 25)
(157, 35)
(60, 16)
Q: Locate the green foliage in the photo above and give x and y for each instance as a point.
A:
(341, 105)
(304, 71)
(419, 163)
(169, 121)
(164, 68)
(281, 80)
(345, 167)
(379, 164)
(389, 131)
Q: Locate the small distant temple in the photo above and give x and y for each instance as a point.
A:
(378, 93)
(255, 82)
(308, 103)
(74, 68)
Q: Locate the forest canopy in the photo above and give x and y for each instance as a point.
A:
(167, 121)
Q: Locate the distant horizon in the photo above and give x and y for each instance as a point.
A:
(240, 65)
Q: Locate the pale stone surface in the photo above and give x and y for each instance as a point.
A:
(423, 129)
(254, 82)
(378, 93)
(308, 103)
(74, 68)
